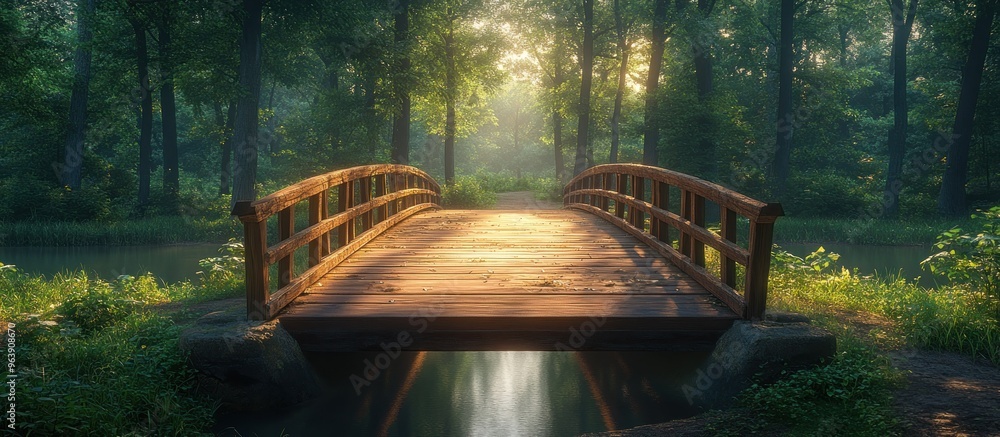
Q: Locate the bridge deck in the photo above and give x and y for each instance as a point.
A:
(506, 279)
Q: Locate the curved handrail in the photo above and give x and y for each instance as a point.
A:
(617, 193)
(370, 200)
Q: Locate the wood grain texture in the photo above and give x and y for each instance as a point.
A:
(500, 276)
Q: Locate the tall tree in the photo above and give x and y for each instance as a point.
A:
(651, 131)
(71, 173)
(401, 120)
(902, 24)
(952, 197)
(225, 124)
(783, 141)
(145, 103)
(622, 32)
(168, 106)
(245, 141)
(586, 82)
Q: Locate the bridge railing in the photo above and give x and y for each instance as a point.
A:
(618, 193)
(369, 200)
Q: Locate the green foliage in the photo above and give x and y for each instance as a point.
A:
(95, 359)
(914, 231)
(826, 194)
(816, 262)
(154, 230)
(467, 192)
(957, 317)
(970, 257)
(848, 396)
(226, 270)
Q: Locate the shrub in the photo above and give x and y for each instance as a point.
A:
(970, 257)
(467, 192)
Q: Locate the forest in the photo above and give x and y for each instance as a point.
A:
(123, 109)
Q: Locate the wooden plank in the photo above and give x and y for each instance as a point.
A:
(514, 307)
(286, 227)
(687, 227)
(389, 286)
(289, 292)
(315, 216)
(285, 247)
(720, 290)
(288, 196)
(724, 197)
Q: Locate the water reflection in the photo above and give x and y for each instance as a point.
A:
(169, 263)
(486, 394)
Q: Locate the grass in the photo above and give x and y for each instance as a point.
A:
(852, 395)
(156, 230)
(862, 231)
(97, 357)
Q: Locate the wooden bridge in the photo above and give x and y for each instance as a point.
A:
(628, 263)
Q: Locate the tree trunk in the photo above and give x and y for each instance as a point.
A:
(785, 124)
(587, 72)
(951, 199)
(245, 132)
(702, 48)
(401, 121)
(168, 107)
(651, 132)
(71, 170)
(623, 53)
(225, 123)
(897, 137)
(451, 93)
(557, 145)
(145, 111)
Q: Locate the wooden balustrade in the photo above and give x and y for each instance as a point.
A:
(370, 200)
(622, 188)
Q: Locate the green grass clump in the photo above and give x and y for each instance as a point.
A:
(102, 358)
(851, 395)
(956, 317)
(468, 193)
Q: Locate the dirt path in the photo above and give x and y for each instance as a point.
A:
(948, 395)
(523, 200)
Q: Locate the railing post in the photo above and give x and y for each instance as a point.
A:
(686, 204)
(345, 200)
(286, 227)
(315, 216)
(258, 288)
(639, 193)
(603, 200)
(698, 218)
(661, 198)
(379, 192)
(758, 269)
(727, 229)
(621, 188)
(366, 195)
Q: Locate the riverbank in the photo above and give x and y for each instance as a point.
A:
(902, 232)
(146, 231)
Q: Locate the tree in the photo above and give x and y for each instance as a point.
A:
(586, 82)
(902, 24)
(952, 197)
(401, 120)
(145, 103)
(651, 132)
(72, 168)
(168, 106)
(783, 142)
(245, 141)
(459, 64)
(623, 30)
